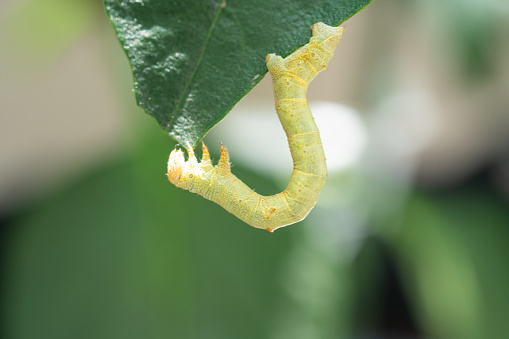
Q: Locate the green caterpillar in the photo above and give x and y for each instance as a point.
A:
(290, 79)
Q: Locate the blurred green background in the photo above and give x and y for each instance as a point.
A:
(408, 240)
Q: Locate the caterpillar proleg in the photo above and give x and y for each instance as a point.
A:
(290, 79)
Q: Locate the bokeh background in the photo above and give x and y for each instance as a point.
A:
(408, 240)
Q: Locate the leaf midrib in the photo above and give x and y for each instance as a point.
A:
(198, 62)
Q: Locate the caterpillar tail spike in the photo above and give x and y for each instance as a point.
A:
(290, 79)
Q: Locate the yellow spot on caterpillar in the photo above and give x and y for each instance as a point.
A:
(270, 211)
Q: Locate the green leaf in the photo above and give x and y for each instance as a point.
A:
(192, 61)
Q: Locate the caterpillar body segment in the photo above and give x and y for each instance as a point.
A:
(290, 78)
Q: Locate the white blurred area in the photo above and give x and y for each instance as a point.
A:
(394, 101)
(255, 137)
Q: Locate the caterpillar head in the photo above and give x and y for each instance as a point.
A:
(183, 173)
(176, 164)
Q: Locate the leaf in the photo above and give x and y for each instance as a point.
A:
(193, 61)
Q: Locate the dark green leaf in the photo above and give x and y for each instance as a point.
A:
(192, 61)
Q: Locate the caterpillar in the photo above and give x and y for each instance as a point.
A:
(290, 79)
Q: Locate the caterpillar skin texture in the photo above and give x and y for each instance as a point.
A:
(290, 78)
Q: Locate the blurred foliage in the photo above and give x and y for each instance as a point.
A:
(120, 255)
(41, 30)
(452, 249)
(475, 29)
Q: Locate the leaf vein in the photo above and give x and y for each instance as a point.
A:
(197, 65)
